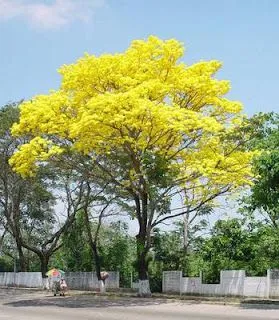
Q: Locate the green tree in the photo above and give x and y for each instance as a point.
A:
(12, 187)
(263, 198)
(227, 248)
(74, 255)
(118, 250)
(265, 191)
(239, 244)
(27, 205)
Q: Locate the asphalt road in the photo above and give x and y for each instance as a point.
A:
(22, 305)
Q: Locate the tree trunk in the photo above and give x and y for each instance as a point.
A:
(14, 225)
(102, 286)
(142, 251)
(97, 260)
(94, 251)
(44, 259)
(186, 232)
(22, 262)
(101, 282)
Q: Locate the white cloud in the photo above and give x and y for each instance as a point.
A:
(49, 14)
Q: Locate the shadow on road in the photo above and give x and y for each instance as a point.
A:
(266, 305)
(85, 302)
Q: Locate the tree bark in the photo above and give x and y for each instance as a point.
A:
(142, 251)
(141, 257)
(94, 250)
(96, 260)
(186, 231)
(21, 257)
(44, 260)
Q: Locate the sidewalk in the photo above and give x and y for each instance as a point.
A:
(171, 297)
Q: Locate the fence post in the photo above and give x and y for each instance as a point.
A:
(180, 285)
(15, 272)
(201, 276)
(268, 283)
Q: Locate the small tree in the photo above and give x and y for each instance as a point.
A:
(93, 235)
(150, 124)
(265, 191)
(44, 238)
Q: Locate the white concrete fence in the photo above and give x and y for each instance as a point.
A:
(21, 279)
(89, 280)
(232, 283)
(75, 280)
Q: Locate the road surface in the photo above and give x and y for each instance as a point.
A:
(22, 305)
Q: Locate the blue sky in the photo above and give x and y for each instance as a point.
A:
(38, 36)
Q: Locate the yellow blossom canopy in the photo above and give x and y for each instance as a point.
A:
(142, 100)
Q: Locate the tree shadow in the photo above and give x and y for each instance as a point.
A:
(86, 301)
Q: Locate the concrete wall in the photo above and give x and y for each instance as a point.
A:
(89, 280)
(75, 280)
(21, 279)
(232, 283)
(211, 289)
(191, 285)
(81, 280)
(273, 283)
(172, 281)
(255, 287)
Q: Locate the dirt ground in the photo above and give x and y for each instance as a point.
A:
(31, 305)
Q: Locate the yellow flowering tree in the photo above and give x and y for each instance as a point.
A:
(151, 124)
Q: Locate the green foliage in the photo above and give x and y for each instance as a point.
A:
(75, 254)
(168, 253)
(165, 255)
(265, 191)
(9, 114)
(167, 249)
(116, 248)
(225, 249)
(6, 264)
(26, 206)
(234, 244)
